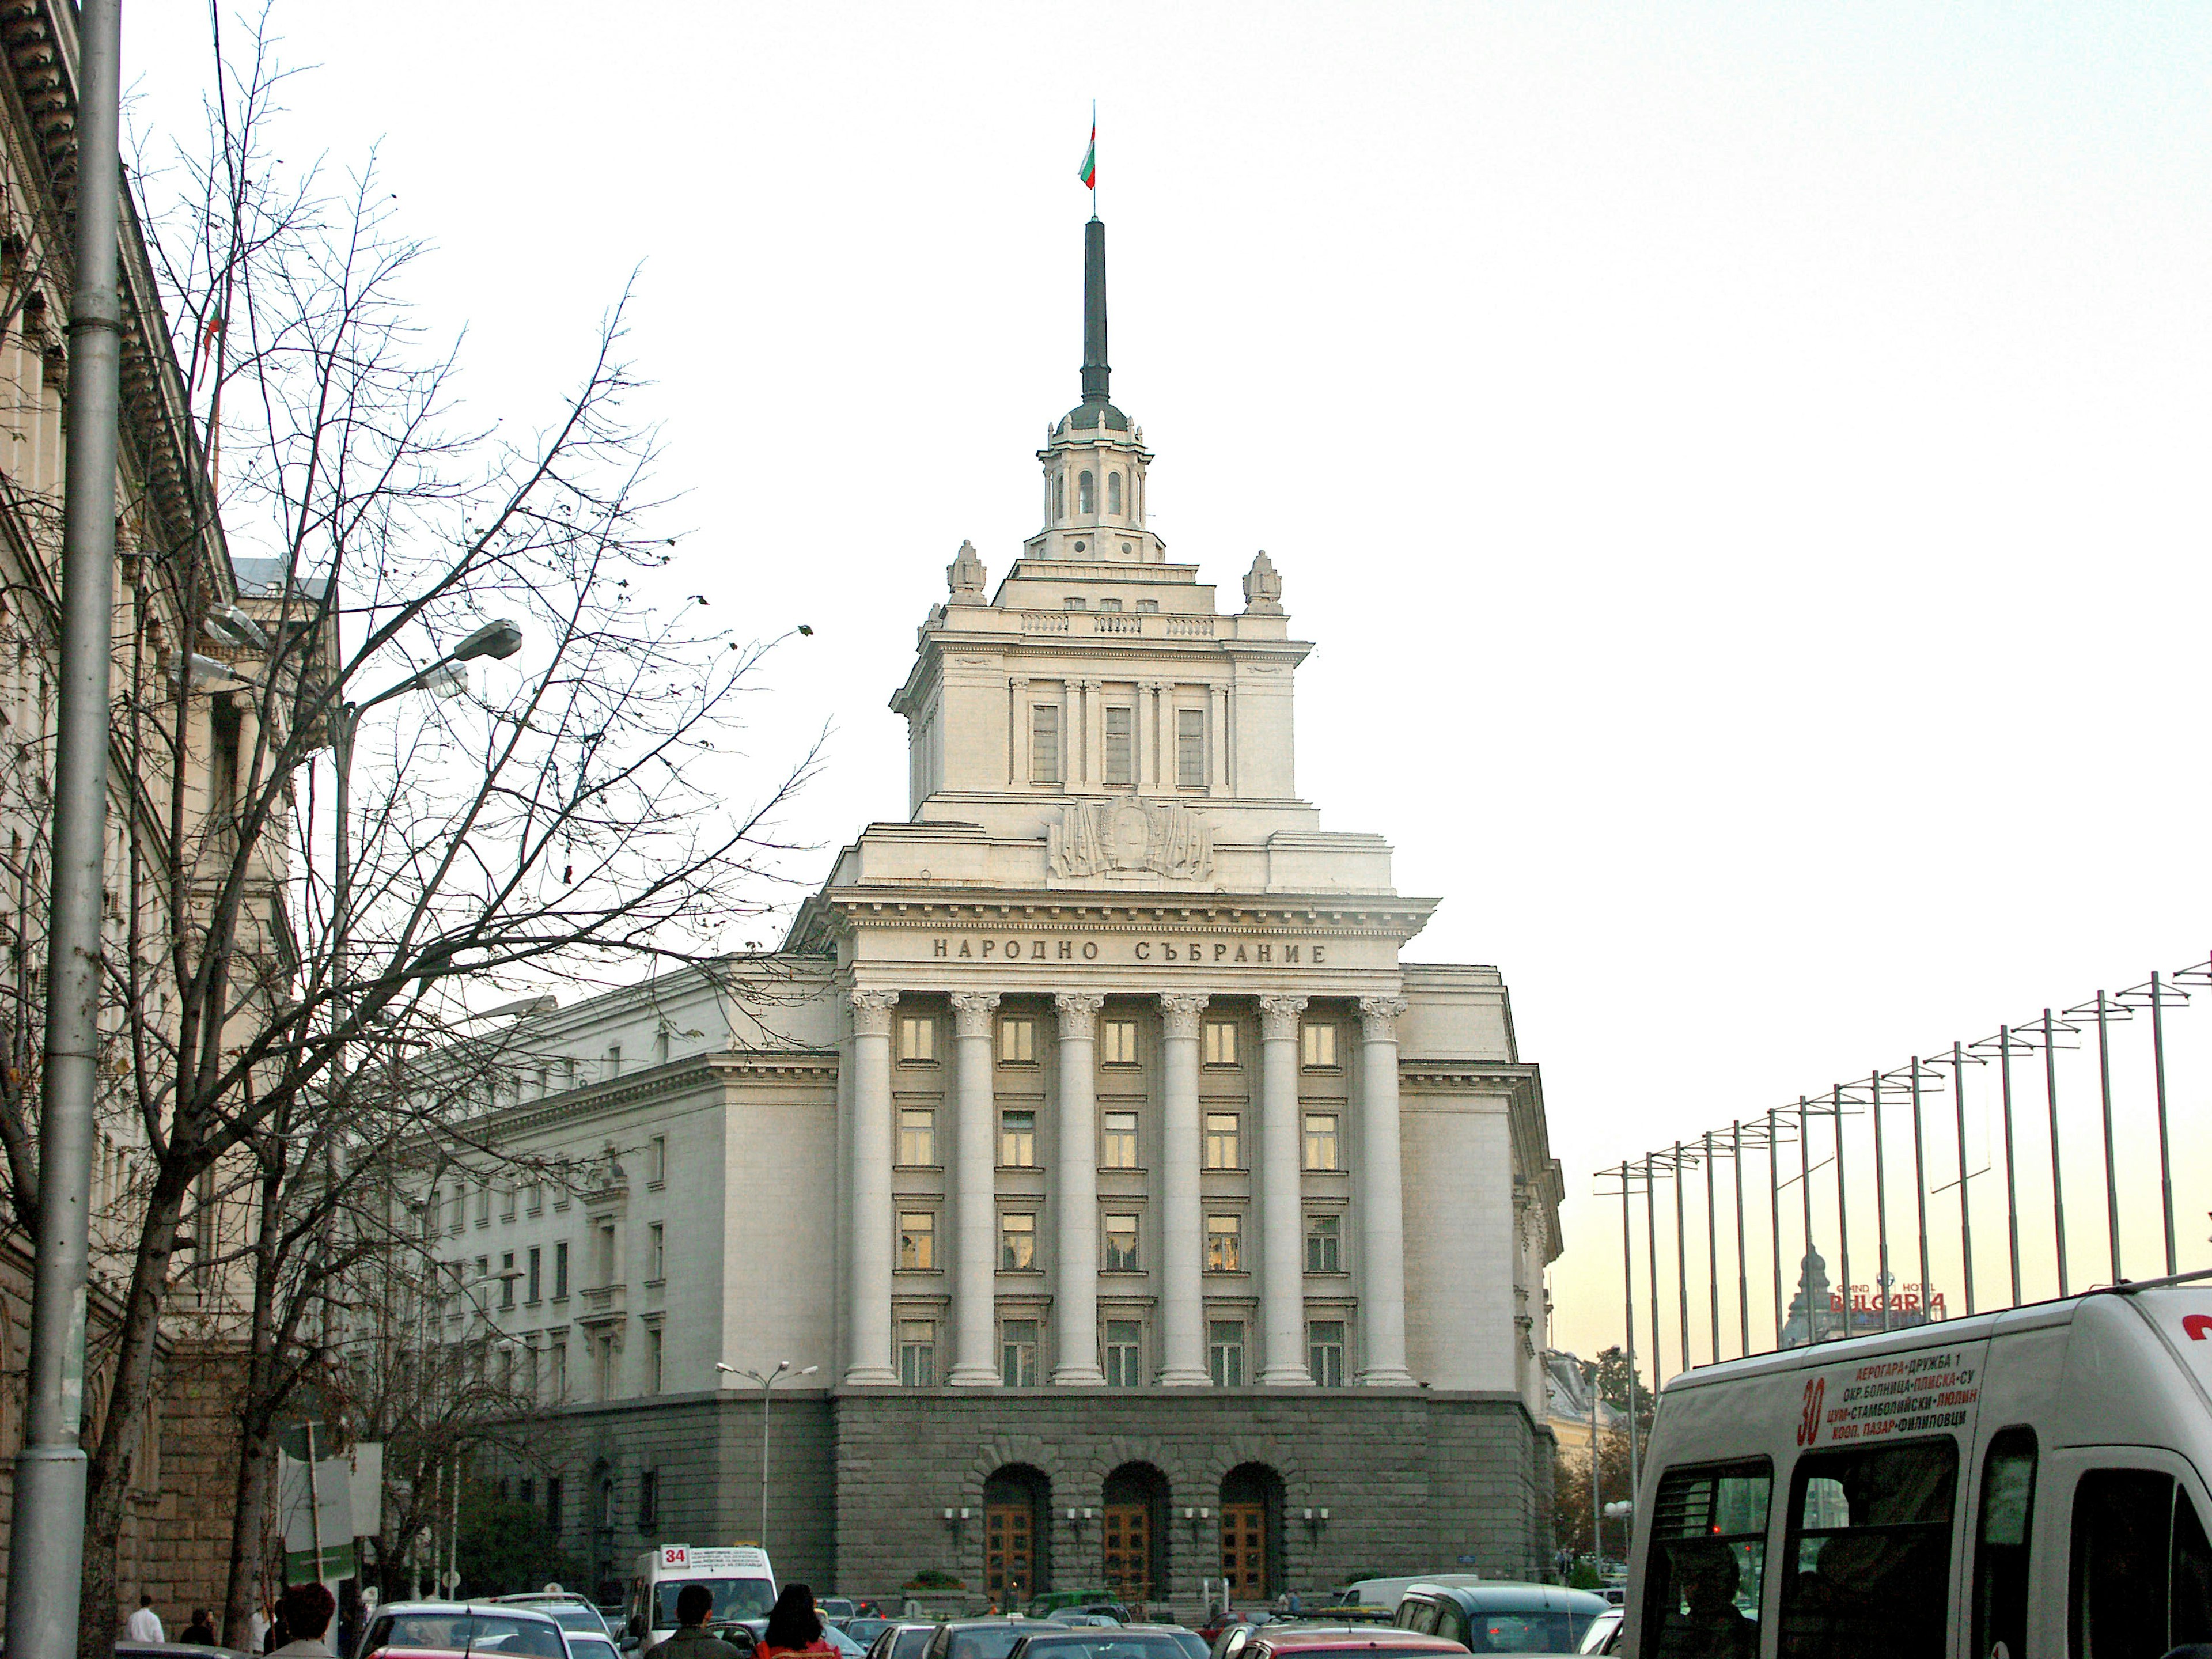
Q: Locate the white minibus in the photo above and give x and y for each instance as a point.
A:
(740, 1580)
(2033, 1484)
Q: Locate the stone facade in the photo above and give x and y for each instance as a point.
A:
(1088, 1145)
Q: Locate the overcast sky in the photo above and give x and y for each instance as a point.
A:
(1743, 467)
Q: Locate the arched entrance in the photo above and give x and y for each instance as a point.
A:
(1133, 1537)
(1016, 1528)
(1252, 1531)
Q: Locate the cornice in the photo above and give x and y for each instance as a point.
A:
(1353, 915)
(810, 1065)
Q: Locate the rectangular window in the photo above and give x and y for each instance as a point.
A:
(1887, 1518)
(1017, 1040)
(1018, 1139)
(613, 1067)
(917, 1038)
(1117, 1041)
(1117, 1140)
(1325, 1352)
(917, 1241)
(648, 1499)
(483, 1205)
(1017, 1241)
(1224, 1243)
(507, 1279)
(553, 1504)
(1124, 1353)
(1708, 1560)
(536, 1205)
(1044, 743)
(656, 1251)
(536, 1273)
(1324, 1243)
(1221, 1043)
(507, 1204)
(2141, 1579)
(1225, 1351)
(1017, 1354)
(1321, 1141)
(652, 1359)
(1113, 606)
(556, 1370)
(1223, 1148)
(917, 1358)
(656, 1160)
(1190, 748)
(1319, 1037)
(1120, 1244)
(561, 1272)
(917, 1136)
(1120, 727)
(2001, 1543)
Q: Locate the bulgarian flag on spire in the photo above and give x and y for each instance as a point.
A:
(1088, 171)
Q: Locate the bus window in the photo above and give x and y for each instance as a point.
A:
(1708, 1562)
(2141, 1573)
(1868, 1555)
(2001, 1536)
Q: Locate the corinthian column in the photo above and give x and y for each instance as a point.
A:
(868, 1215)
(1282, 1271)
(1075, 1299)
(1182, 1281)
(975, 1195)
(1381, 1202)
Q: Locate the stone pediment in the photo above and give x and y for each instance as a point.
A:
(1127, 838)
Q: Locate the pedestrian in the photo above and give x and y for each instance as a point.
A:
(793, 1626)
(304, 1611)
(257, 1629)
(145, 1625)
(693, 1603)
(200, 1633)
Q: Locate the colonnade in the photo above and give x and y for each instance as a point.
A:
(971, 1172)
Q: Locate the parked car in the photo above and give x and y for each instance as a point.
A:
(982, 1638)
(839, 1607)
(1320, 1641)
(865, 1627)
(583, 1644)
(1498, 1615)
(905, 1638)
(1195, 1645)
(1095, 1642)
(572, 1613)
(402, 1629)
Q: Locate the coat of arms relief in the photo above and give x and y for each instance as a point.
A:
(1127, 838)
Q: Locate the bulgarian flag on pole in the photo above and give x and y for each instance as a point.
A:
(1088, 171)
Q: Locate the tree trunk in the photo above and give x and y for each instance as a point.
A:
(248, 1519)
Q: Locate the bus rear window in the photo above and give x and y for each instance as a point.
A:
(734, 1598)
(1708, 1562)
(1868, 1555)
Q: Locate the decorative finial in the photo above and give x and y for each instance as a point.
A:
(965, 574)
(1263, 588)
(1095, 371)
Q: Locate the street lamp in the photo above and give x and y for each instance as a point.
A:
(767, 1386)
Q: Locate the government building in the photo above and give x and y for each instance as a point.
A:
(1130, 1213)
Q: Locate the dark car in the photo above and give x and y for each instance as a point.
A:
(982, 1638)
(1345, 1642)
(865, 1627)
(904, 1639)
(1502, 1617)
(1098, 1641)
(1189, 1640)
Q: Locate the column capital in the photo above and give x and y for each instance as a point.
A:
(1089, 684)
(1180, 1010)
(1079, 1012)
(1017, 682)
(871, 1011)
(971, 1012)
(1378, 1017)
(1278, 1017)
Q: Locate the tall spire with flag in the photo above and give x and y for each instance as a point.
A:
(1088, 171)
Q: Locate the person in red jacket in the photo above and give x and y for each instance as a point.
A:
(794, 1627)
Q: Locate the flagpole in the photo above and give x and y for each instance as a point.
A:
(1094, 158)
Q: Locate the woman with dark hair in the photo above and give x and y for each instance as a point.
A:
(794, 1627)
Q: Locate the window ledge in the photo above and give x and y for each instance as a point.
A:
(655, 1284)
(1021, 1272)
(1124, 1169)
(918, 1273)
(654, 1186)
(1228, 1273)
(1018, 1168)
(1226, 1170)
(937, 1168)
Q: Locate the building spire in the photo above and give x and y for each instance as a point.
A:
(1094, 370)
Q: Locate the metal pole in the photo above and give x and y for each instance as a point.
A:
(45, 1567)
(2058, 1186)
(1682, 1260)
(1651, 1258)
(1597, 1495)
(1742, 1272)
(1774, 1211)
(1843, 1214)
(1805, 1194)
(2104, 1097)
(767, 1387)
(2165, 1151)
(1628, 1313)
(1712, 1252)
(2012, 1191)
(1881, 1283)
(1920, 1194)
(314, 1505)
(1966, 1210)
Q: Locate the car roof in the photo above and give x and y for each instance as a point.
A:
(1278, 1639)
(455, 1609)
(1506, 1595)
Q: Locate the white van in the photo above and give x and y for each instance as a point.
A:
(742, 1582)
(2023, 1484)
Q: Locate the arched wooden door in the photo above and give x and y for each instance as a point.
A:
(1015, 1501)
(1133, 1535)
(1251, 1515)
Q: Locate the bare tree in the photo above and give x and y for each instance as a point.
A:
(328, 865)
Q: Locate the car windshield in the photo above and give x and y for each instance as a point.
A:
(988, 1642)
(574, 1615)
(1118, 1644)
(734, 1598)
(468, 1633)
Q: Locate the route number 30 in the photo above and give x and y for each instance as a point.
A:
(1808, 1425)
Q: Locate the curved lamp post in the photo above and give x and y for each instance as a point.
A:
(767, 1387)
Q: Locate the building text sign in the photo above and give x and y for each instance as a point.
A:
(1212, 952)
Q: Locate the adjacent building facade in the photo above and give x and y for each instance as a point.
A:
(1130, 1212)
